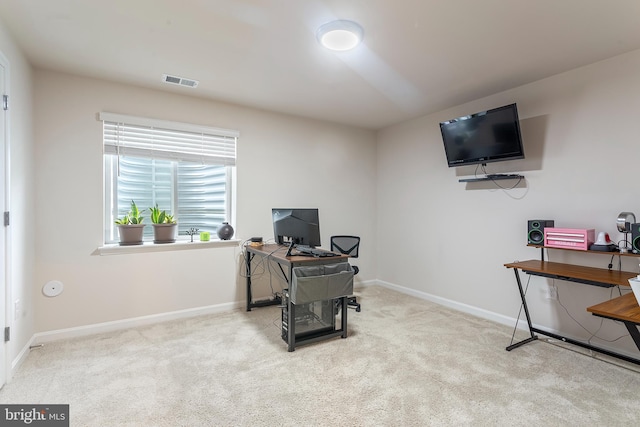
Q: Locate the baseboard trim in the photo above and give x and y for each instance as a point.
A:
(116, 325)
(81, 331)
(499, 318)
(20, 359)
(465, 308)
(357, 284)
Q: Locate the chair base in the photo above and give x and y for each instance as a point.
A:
(353, 303)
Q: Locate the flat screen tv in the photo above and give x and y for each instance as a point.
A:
(487, 136)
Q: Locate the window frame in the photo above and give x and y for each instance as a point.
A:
(223, 157)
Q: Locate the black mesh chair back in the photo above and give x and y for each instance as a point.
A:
(348, 245)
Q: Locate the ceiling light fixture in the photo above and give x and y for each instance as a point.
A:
(340, 35)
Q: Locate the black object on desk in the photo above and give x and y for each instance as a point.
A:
(309, 251)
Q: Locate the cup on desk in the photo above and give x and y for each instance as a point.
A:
(205, 236)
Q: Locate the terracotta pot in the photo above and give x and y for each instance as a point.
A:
(164, 233)
(130, 234)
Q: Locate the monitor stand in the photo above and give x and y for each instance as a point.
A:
(291, 245)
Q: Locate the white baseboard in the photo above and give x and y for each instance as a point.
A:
(465, 308)
(98, 328)
(357, 284)
(49, 336)
(20, 358)
(498, 318)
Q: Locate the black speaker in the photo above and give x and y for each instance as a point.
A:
(635, 238)
(535, 230)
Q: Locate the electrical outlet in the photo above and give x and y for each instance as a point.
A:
(553, 291)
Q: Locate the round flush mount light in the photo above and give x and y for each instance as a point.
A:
(340, 35)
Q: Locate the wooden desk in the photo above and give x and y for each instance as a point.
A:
(579, 274)
(624, 309)
(574, 273)
(277, 253)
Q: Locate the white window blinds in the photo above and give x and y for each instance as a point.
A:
(142, 137)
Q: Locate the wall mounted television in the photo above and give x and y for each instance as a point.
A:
(484, 137)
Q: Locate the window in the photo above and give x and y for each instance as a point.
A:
(188, 170)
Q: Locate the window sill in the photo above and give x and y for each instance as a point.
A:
(116, 249)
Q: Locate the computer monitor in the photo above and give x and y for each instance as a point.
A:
(296, 227)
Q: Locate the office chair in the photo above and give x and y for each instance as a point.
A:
(348, 245)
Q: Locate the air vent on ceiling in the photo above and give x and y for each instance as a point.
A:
(179, 81)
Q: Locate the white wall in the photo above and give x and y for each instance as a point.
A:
(21, 197)
(434, 235)
(449, 240)
(283, 161)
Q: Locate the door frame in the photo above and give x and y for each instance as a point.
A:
(5, 283)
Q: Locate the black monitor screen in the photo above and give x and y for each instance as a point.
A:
(296, 226)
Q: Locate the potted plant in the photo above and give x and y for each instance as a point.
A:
(130, 227)
(164, 226)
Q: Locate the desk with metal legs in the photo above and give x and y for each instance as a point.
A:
(621, 308)
(624, 309)
(277, 253)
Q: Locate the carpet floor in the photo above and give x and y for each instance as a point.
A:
(406, 362)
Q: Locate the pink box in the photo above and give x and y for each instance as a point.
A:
(570, 238)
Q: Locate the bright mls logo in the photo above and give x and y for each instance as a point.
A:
(34, 415)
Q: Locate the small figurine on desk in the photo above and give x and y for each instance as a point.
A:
(603, 243)
(191, 232)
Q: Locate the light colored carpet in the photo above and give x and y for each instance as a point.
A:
(407, 362)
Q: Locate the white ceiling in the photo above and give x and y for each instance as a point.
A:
(418, 56)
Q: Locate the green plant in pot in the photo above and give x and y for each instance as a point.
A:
(164, 226)
(130, 226)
